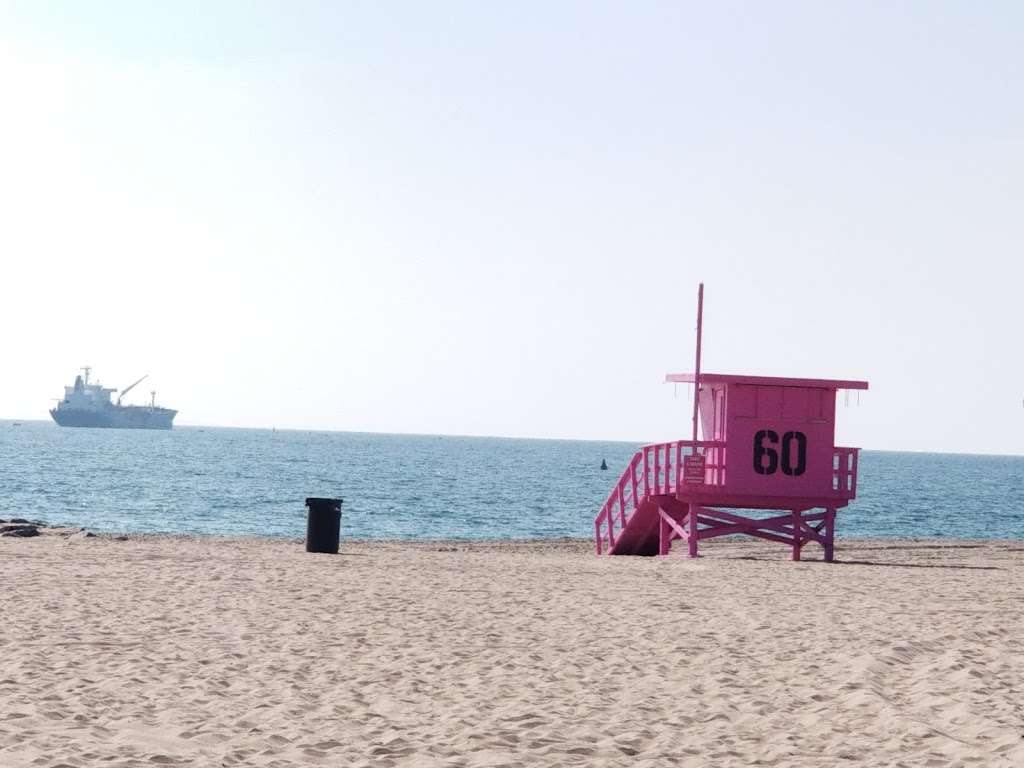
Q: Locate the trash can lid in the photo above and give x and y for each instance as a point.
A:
(318, 500)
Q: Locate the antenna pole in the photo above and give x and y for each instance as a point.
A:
(696, 367)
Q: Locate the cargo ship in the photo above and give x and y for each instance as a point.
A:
(88, 404)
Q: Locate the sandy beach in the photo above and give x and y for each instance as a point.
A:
(211, 652)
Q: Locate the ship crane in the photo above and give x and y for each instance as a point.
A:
(129, 388)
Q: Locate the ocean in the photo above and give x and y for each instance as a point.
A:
(251, 482)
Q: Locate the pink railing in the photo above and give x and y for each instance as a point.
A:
(844, 472)
(655, 470)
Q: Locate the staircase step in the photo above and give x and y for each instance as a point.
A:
(640, 536)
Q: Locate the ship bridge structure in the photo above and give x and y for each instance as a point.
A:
(768, 446)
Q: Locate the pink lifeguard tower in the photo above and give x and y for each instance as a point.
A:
(769, 444)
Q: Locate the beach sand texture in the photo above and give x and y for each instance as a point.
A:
(205, 652)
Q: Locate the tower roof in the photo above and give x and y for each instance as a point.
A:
(766, 381)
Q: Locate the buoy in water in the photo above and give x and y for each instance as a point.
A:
(604, 464)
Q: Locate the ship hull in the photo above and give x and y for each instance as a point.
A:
(128, 417)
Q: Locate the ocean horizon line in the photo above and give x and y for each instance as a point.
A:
(460, 435)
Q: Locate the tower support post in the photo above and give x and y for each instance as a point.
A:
(830, 534)
(693, 511)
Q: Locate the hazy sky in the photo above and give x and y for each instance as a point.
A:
(485, 218)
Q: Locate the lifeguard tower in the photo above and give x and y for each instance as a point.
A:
(769, 444)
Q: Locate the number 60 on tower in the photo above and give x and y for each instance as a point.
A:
(766, 452)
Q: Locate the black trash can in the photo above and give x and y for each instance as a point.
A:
(323, 525)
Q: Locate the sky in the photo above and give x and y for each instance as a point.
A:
(491, 219)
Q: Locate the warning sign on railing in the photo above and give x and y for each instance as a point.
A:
(693, 469)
